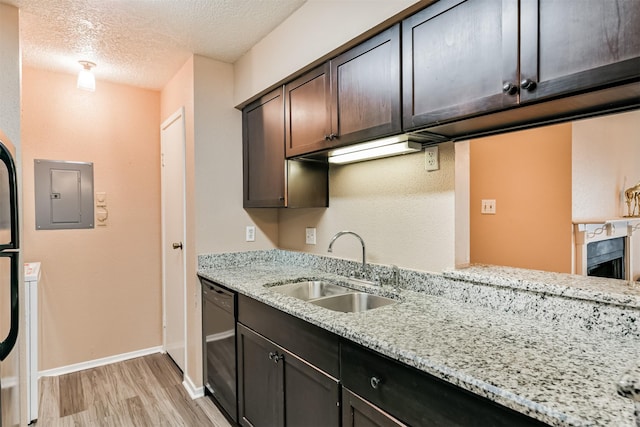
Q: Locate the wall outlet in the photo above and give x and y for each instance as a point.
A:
(250, 233)
(431, 161)
(310, 235)
(488, 207)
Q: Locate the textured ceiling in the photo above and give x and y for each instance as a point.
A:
(142, 42)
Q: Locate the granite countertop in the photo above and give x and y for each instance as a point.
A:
(556, 373)
(610, 291)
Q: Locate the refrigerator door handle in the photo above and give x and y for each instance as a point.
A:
(9, 342)
(7, 162)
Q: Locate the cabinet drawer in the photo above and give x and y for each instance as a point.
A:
(418, 398)
(311, 343)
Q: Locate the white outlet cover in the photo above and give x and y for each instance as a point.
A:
(431, 160)
(250, 233)
(310, 235)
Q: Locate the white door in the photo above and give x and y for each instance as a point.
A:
(173, 235)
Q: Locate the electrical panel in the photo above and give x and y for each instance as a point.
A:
(64, 194)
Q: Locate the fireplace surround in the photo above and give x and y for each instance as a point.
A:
(603, 247)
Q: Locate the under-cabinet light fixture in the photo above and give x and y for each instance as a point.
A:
(86, 79)
(385, 147)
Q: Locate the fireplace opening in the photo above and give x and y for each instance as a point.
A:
(606, 258)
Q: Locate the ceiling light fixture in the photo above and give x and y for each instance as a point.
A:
(86, 79)
(386, 147)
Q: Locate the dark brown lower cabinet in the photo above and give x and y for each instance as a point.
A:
(276, 388)
(357, 412)
(418, 398)
(291, 373)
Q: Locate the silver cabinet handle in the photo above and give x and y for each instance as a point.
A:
(375, 382)
(177, 245)
(275, 356)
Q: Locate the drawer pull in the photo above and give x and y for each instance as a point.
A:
(375, 382)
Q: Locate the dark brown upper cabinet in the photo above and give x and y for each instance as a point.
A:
(270, 181)
(354, 97)
(308, 112)
(464, 58)
(573, 45)
(457, 58)
(365, 90)
(263, 151)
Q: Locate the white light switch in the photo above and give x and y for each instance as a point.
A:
(101, 199)
(102, 215)
(488, 207)
(250, 233)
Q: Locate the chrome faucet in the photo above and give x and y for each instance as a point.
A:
(341, 233)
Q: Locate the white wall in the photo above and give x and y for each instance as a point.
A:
(405, 214)
(221, 220)
(606, 161)
(312, 31)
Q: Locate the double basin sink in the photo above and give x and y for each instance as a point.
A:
(332, 296)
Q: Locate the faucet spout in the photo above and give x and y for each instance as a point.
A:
(342, 233)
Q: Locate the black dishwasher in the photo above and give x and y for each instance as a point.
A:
(219, 345)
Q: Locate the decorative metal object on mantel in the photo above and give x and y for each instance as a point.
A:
(632, 198)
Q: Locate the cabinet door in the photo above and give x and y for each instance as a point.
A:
(311, 396)
(357, 412)
(307, 117)
(365, 90)
(263, 151)
(460, 58)
(260, 387)
(574, 45)
(419, 399)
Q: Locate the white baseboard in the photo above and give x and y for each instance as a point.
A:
(99, 362)
(194, 392)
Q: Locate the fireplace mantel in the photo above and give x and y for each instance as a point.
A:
(587, 231)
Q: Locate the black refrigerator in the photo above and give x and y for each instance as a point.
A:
(9, 288)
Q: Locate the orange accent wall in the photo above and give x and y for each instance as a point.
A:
(528, 173)
(100, 292)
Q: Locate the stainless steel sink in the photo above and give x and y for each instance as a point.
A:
(332, 296)
(311, 289)
(353, 302)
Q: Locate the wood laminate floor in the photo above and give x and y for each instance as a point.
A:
(145, 391)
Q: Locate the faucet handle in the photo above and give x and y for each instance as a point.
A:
(356, 274)
(391, 277)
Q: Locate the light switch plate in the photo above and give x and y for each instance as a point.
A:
(101, 199)
(310, 235)
(488, 207)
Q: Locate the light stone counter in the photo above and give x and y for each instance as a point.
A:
(517, 347)
(611, 291)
